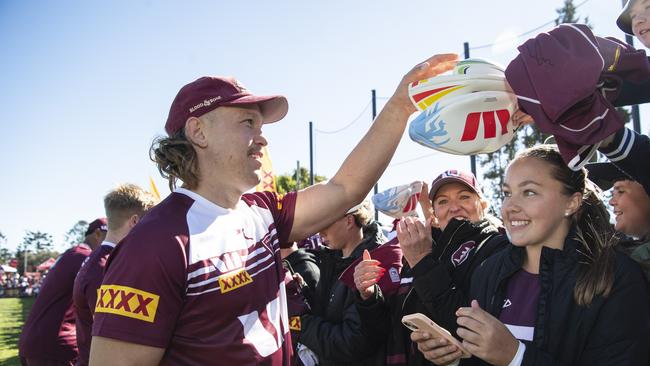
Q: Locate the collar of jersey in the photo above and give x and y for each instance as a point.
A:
(204, 201)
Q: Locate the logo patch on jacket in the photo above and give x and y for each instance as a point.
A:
(127, 301)
(394, 275)
(462, 253)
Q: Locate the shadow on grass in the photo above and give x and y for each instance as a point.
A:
(13, 313)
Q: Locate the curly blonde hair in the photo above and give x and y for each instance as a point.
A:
(176, 159)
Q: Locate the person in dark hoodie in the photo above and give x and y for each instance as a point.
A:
(439, 265)
(560, 294)
(303, 262)
(332, 330)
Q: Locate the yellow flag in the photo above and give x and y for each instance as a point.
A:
(153, 188)
(268, 178)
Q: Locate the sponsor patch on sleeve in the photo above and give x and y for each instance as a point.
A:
(127, 301)
(294, 323)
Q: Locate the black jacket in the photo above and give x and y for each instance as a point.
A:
(305, 263)
(332, 330)
(610, 331)
(437, 286)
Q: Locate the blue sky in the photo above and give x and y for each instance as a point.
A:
(86, 85)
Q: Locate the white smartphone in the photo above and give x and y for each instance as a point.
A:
(421, 322)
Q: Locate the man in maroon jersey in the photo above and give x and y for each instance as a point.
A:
(49, 335)
(125, 206)
(199, 280)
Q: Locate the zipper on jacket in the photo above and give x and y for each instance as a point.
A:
(450, 239)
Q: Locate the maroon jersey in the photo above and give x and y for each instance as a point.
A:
(520, 306)
(49, 332)
(203, 282)
(84, 296)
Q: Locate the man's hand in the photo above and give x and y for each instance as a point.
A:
(433, 66)
(366, 274)
(319, 205)
(484, 336)
(415, 239)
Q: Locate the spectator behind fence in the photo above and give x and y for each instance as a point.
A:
(437, 279)
(125, 206)
(49, 336)
(560, 294)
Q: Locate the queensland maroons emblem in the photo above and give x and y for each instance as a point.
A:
(462, 253)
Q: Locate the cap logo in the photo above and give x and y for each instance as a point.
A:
(205, 103)
(489, 124)
(450, 173)
(240, 86)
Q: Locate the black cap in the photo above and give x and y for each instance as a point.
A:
(605, 174)
(624, 21)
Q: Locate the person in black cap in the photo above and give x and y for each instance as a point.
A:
(631, 206)
(49, 336)
(635, 20)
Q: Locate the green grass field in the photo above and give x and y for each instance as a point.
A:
(13, 312)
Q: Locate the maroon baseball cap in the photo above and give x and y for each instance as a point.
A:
(207, 93)
(99, 223)
(454, 176)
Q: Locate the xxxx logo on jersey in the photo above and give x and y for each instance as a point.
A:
(231, 281)
(127, 301)
(294, 323)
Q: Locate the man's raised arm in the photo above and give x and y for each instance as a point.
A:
(319, 205)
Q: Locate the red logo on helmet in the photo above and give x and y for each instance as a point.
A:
(489, 123)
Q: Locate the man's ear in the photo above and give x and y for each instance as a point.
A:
(195, 132)
(349, 220)
(133, 220)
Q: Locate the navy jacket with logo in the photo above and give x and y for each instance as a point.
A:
(613, 330)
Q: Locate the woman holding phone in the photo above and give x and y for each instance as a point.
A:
(560, 294)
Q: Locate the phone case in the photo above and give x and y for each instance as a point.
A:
(421, 322)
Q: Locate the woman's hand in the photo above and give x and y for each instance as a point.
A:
(415, 239)
(484, 336)
(366, 274)
(520, 119)
(437, 350)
